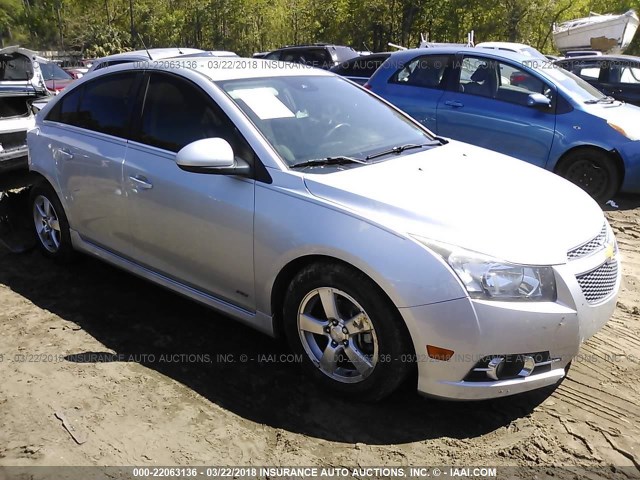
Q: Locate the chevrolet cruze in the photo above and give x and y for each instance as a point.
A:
(302, 205)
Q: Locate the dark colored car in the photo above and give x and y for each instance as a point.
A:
(318, 55)
(360, 69)
(615, 75)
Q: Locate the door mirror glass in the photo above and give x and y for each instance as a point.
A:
(210, 155)
(538, 100)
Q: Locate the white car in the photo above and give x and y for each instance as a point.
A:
(154, 55)
(21, 85)
(296, 202)
(521, 48)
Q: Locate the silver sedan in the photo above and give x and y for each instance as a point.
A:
(305, 206)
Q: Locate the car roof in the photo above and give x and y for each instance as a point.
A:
(404, 55)
(502, 45)
(240, 68)
(312, 45)
(626, 58)
(156, 54)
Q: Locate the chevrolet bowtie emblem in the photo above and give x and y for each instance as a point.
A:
(609, 252)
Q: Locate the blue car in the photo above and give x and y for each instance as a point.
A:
(523, 107)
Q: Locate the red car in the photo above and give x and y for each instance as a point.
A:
(55, 77)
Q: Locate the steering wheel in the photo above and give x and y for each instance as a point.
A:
(339, 127)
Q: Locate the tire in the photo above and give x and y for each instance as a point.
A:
(51, 226)
(368, 341)
(592, 170)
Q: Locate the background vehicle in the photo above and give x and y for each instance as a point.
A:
(318, 55)
(303, 205)
(521, 48)
(360, 69)
(21, 84)
(141, 56)
(55, 77)
(614, 75)
(518, 106)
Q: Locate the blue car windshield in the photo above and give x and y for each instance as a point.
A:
(318, 117)
(579, 89)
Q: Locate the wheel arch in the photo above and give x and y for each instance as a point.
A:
(289, 271)
(613, 154)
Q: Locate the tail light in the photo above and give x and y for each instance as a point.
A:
(367, 86)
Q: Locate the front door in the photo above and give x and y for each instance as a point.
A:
(194, 228)
(488, 108)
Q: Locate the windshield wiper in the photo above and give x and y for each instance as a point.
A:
(340, 160)
(601, 100)
(401, 148)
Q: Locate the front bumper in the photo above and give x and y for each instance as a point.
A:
(477, 329)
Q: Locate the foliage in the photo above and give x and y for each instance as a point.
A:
(99, 27)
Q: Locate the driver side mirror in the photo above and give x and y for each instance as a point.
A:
(538, 100)
(212, 156)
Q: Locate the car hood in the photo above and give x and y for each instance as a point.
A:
(19, 70)
(469, 197)
(622, 114)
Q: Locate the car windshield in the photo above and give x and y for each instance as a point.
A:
(51, 71)
(317, 117)
(579, 89)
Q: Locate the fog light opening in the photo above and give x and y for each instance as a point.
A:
(495, 367)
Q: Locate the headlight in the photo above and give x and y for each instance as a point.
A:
(491, 279)
(622, 131)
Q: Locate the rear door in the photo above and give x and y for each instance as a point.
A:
(194, 228)
(418, 86)
(489, 108)
(623, 81)
(88, 130)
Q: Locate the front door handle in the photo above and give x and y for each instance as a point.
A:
(454, 103)
(141, 182)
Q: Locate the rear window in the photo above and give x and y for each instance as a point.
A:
(15, 67)
(102, 105)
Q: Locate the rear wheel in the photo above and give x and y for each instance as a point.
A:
(50, 223)
(592, 170)
(352, 340)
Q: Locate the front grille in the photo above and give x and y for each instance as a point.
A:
(599, 283)
(590, 247)
(13, 140)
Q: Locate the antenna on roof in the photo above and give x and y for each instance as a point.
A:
(145, 47)
(366, 48)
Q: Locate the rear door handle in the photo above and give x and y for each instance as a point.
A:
(454, 103)
(64, 154)
(141, 182)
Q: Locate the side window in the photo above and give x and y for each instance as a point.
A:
(66, 108)
(629, 74)
(588, 71)
(106, 104)
(428, 71)
(477, 77)
(177, 112)
(273, 56)
(502, 81)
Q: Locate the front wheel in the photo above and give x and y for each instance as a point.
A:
(592, 170)
(353, 341)
(50, 223)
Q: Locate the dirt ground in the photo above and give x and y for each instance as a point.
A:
(138, 373)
